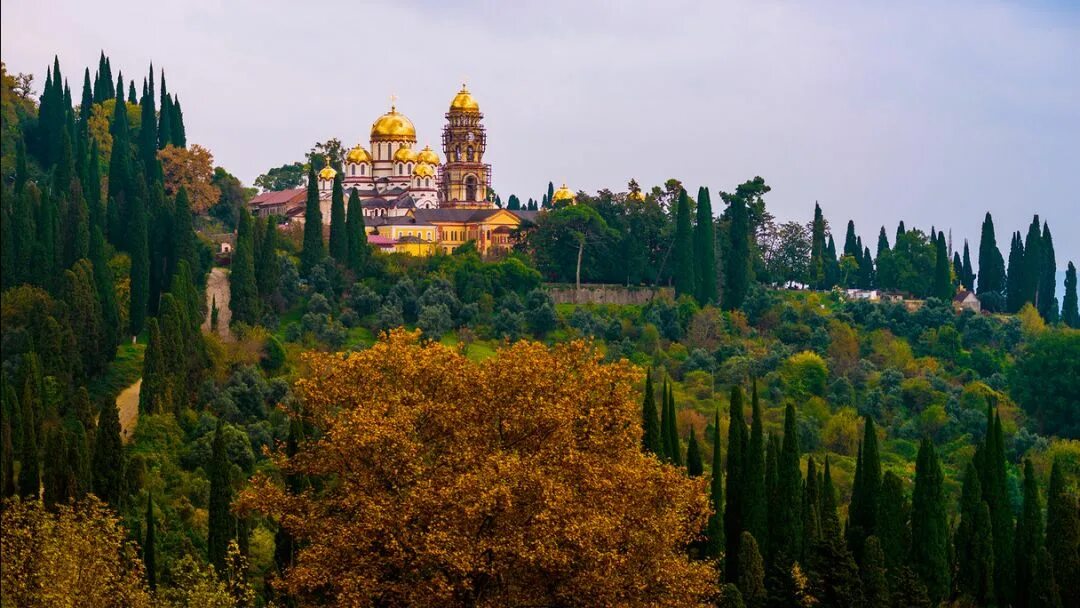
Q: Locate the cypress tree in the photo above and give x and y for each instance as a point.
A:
(1070, 312)
(85, 315)
(132, 97)
(974, 542)
(683, 271)
(772, 481)
(266, 266)
(314, 250)
(867, 276)
(339, 244)
(850, 246)
(994, 480)
(57, 477)
(356, 236)
(737, 261)
(219, 525)
(1033, 262)
(967, 273)
(755, 509)
(1063, 534)
(149, 550)
(665, 424)
(1047, 297)
(92, 189)
(165, 115)
(736, 464)
(751, 581)
(943, 288)
(7, 456)
(882, 243)
(715, 528)
(705, 250)
(832, 265)
(863, 510)
(817, 249)
(651, 441)
(811, 507)
(1045, 592)
(121, 180)
(958, 267)
(140, 259)
(1028, 540)
(833, 573)
(694, 466)
(179, 133)
(991, 290)
(29, 469)
(108, 463)
(106, 292)
(120, 88)
(155, 394)
(244, 292)
(892, 521)
(786, 544)
(929, 525)
(674, 445)
(1014, 294)
(875, 582)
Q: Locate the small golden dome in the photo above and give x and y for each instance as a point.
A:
(393, 126)
(358, 155)
(427, 155)
(563, 194)
(423, 170)
(636, 195)
(464, 101)
(404, 154)
(327, 172)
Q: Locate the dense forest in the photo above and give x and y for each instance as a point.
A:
(361, 428)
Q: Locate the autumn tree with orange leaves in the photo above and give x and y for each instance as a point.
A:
(433, 480)
(193, 169)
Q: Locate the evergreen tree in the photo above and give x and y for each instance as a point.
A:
(817, 249)
(184, 232)
(862, 512)
(1033, 262)
(943, 288)
(1070, 312)
(243, 290)
(106, 292)
(882, 243)
(1014, 293)
(674, 445)
(736, 464)
(356, 234)
(29, 468)
(715, 529)
(339, 244)
(833, 573)
(867, 276)
(665, 424)
(832, 266)
(991, 290)
(140, 260)
(811, 507)
(149, 550)
(751, 581)
(122, 186)
(786, 542)
(974, 542)
(683, 271)
(1046, 297)
(57, 477)
(155, 394)
(85, 315)
(314, 250)
(875, 582)
(7, 454)
(892, 521)
(737, 259)
(267, 269)
(730, 597)
(694, 466)
(1063, 534)
(650, 437)
(165, 115)
(705, 250)
(929, 525)
(108, 463)
(220, 521)
(1045, 591)
(994, 479)
(1028, 540)
(179, 132)
(967, 273)
(754, 515)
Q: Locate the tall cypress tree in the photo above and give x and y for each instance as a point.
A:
(736, 465)
(694, 465)
(220, 521)
(754, 508)
(29, 468)
(817, 249)
(179, 132)
(714, 530)
(149, 550)
(650, 431)
(1070, 311)
(875, 582)
(314, 250)
(832, 265)
(1046, 297)
(674, 444)
(994, 478)
(356, 236)
(991, 290)
(683, 271)
(108, 462)
(244, 293)
(786, 542)
(811, 508)
(1063, 534)
(751, 581)
(155, 394)
(122, 183)
(266, 266)
(974, 544)
(165, 115)
(1028, 541)
(665, 424)
(943, 288)
(339, 244)
(1033, 261)
(862, 512)
(834, 575)
(7, 452)
(967, 273)
(892, 521)
(705, 250)
(1017, 281)
(737, 260)
(139, 248)
(929, 524)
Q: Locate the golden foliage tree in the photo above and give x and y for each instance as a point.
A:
(192, 168)
(76, 556)
(437, 481)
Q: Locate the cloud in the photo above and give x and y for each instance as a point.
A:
(929, 112)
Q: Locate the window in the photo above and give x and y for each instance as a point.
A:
(470, 154)
(362, 168)
(470, 188)
(457, 153)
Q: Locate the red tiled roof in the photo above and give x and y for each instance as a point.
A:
(276, 197)
(378, 240)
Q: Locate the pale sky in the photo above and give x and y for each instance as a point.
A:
(927, 111)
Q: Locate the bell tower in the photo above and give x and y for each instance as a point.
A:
(466, 179)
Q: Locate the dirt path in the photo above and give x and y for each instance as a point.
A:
(128, 404)
(217, 291)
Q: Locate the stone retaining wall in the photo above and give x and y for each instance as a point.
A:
(563, 293)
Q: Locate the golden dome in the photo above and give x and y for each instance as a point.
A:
(464, 102)
(358, 155)
(327, 172)
(427, 155)
(423, 170)
(636, 195)
(404, 155)
(393, 126)
(563, 194)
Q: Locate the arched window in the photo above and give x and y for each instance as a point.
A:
(362, 169)
(457, 153)
(470, 154)
(470, 188)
